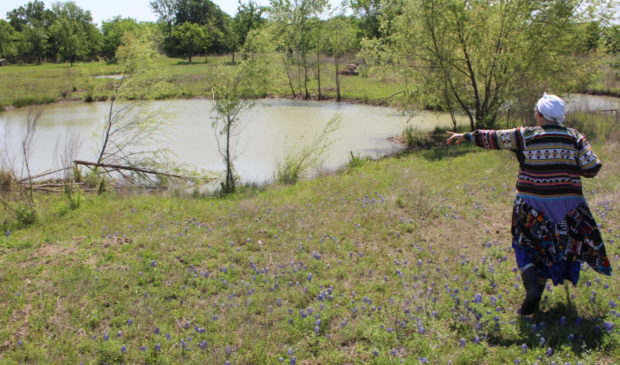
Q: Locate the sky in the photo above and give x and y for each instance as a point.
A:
(137, 9)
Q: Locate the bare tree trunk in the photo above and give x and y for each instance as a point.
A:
(108, 130)
(337, 63)
(299, 62)
(318, 72)
(230, 181)
(288, 76)
(306, 79)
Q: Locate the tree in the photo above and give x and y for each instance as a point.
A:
(294, 33)
(166, 9)
(113, 31)
(72, 42)
(249, 17)
(8, 40)
(232, 91)
(188, 39)
(341, 41)
(132, 127)
(479, 54)
(32, 22)
(368, 11)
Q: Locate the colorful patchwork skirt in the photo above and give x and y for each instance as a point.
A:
(558, 249)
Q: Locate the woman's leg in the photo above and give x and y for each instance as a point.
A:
(532, 290)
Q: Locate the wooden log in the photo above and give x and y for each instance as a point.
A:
(136, 169)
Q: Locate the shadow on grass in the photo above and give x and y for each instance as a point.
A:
(559, 327)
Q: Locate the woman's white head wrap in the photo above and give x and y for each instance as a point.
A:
(552, 108)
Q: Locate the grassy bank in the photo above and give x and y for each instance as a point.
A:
(47, 83)
(382, 263)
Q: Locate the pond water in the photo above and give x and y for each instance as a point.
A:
(270, 130)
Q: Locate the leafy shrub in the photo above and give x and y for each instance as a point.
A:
(25, 214)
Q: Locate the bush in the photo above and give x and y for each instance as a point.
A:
(415, 138)
(25, 214)
(356, 161)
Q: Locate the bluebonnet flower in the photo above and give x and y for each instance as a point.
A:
(119, 334)
(549, 351)
(123, 349)
(20, 343)
(153, 263)
(293, 361)
(130, 321)
(105, 336)
(143, 348)
(609, 326)
(462, 342)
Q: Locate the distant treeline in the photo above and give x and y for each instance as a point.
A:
(66, 32)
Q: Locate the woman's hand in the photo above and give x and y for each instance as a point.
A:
(456, 138)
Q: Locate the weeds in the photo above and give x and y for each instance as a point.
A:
(298, 162)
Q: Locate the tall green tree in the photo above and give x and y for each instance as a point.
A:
(188, 39)
(113, 31)
(8, 41)
(479, 54)
(74, 33)
(249, 17)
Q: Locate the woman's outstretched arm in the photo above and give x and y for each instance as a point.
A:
(505, 139)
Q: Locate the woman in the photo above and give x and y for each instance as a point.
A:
(553, 230)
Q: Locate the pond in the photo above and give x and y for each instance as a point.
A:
(270, 130)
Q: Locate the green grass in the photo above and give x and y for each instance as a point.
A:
(41, 84)
(392, 245)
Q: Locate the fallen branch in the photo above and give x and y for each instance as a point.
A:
(136, 169)
(44, 174)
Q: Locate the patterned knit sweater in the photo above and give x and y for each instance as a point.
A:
(552, 159)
